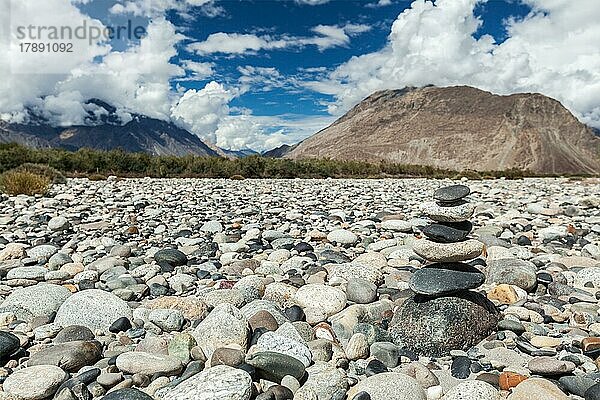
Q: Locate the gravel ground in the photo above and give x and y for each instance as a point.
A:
(182, 289)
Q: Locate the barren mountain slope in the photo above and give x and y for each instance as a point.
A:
(459, 128)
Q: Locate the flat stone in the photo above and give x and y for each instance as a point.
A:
(456, 213)
(451, 194)
(70, 356)
(356, 270)
(512, 271)
(448, 252)
(550, 366)
(221, 382)
(271, 341)
(448, 232)
(274, 366)
(139, 362)
(172, 257)
(397, 225)
(93, 308)
(342, 236)
(438, 279)
(35, 383)
(434, 326)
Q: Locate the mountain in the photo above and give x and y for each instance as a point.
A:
(278, 152)
(459, 128)
(239, 153)
(104, 131)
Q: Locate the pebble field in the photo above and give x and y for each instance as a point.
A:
(393, 289)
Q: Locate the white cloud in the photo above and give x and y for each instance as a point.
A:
(261, 133)
(312, 2)
(380, 3)
(153, 8)
(327, 36)
(553, 51)
(201, 111)
(199, 70)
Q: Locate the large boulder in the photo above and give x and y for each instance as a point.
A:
(93, 308)
(432, 326)
(34, 301)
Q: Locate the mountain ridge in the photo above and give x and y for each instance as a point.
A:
(105, 131)
(459, 127)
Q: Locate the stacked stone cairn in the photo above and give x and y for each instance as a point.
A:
(444, 313)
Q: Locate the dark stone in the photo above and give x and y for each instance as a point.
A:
(9, 343)
(202, 274)
(577, 385)
(544, 278)
(523, 241)
(525, 346)
(451, 194)
(593, 392)
(172, 257)
(332, 256)
(295, 313)
(362, 396)
(411, 355)
(461, 367)
(434, 326)
(303, 247)
(510, 325)
(157, 290)
(445, 278)
(127, 394)
(70, 356)
(491, 378)
(274, 366)
(121, 325)
(192, 368)
(447, 232)
(279, 392)
(375, 367)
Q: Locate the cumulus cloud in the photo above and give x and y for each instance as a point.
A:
(261, 133)
(327, 36)
(201, 111)
(553, 50)
(152, 8)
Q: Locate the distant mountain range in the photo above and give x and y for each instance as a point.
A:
(459, 128)
(141, 134)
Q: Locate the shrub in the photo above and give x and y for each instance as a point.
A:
(237, 178)
(96, 177)
(16, 182)
(44, 170)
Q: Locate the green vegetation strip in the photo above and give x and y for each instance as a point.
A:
(96, 163)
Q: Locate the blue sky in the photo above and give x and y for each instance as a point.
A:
(291, 18)
(258, 74)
